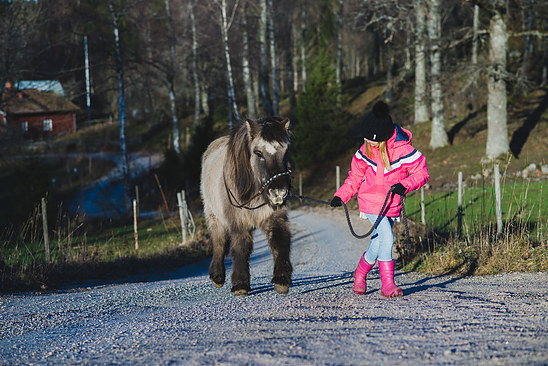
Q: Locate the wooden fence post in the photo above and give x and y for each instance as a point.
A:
(498, 202)
(338, 177)
(45, 228)
(135, 232)
(423, 208)
(459, 205)
(300, 185)
(181, 200)
(137, 199)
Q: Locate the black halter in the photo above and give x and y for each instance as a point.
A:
(261, 190)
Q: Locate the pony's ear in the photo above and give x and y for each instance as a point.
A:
(287, 124)
(252, 127)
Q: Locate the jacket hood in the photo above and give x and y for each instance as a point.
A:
(400, 137)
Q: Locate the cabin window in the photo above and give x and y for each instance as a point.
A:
(47, 125)
(25, 126)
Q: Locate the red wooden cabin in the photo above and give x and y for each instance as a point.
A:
(38, 114)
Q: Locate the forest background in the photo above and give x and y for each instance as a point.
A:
(467, 77)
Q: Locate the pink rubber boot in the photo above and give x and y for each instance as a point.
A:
(361, 271)
(388, 288)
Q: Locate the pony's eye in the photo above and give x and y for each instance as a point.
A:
(259, 154)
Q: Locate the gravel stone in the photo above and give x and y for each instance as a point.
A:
(181, 319)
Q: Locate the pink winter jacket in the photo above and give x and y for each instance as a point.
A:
(372, 184)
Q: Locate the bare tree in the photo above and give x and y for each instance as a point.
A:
(248, 84)
(439, 135)
(273, 62)
(19, 22)
(121, 105)
(421, 109)
(475, 39)
(225, 24)
(171, 82)
(195, 77)
(263, 60)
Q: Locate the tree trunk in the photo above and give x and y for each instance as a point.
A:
(439, 135)
(195, 65)
(170, 81)
(497, 129)
(475, 39)
(263, 61)
(389, 65)
(544, 75)
(273, 63)
(250, 96)
(303, 49)
(339, 42)
(233, 107)
(121, 105)
(204, 98)
(522, 80)
(421, 109)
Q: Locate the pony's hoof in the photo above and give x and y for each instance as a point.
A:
(217, 285)
(281, 289)
(241, 292)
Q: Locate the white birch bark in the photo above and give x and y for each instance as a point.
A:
(250, 96)
(195, 65)
(421, 108)
(303, 49)
(263, 60)
(204, 98)
(122, 108)
(170, 81)
(339, 42)
(497, 129)
(233, 107)
(439, 135)
(294, 65)
(475, 39)
(273, 61)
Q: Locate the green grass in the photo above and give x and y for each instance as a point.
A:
(521, 247)
(83, 252)
(521, 201)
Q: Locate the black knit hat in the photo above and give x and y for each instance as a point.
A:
(377, 125)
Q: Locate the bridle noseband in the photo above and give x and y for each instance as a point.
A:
(261, 190)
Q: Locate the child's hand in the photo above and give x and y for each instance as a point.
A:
(336, 202)
(398, 188)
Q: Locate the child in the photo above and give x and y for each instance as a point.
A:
(386, 160)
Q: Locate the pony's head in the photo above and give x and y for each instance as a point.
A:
(262, 159)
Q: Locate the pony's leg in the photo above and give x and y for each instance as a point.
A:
(219, 236)
(241, 245)
(279, 239)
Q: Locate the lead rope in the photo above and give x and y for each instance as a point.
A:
(404, 216)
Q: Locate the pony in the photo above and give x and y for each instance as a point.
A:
(245, 179)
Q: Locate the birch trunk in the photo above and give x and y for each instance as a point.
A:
(121, 105)
(439, 135)
(497, 129)
(339, 42)
(250, 96)
(522, 80)
(475, 39)
(273, 61)
(233, 108)
(294, 65)
(170, 81)
(303, 49)
(263, 61)
(204, 98)
(421, 109)
(195, 65)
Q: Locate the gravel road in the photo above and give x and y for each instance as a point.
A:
(183, 319)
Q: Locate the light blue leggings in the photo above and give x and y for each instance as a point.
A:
(382, 240)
